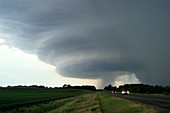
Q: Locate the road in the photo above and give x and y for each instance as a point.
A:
(157, 101)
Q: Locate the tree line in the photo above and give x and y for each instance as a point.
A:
(65, 86)
(86, 87)
(140, 88)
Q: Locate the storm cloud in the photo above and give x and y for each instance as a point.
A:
(93, 39)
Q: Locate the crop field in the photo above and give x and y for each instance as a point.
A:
(66, 101)
(16, 97)
(87, 103)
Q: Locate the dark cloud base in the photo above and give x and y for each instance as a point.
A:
(93, 39)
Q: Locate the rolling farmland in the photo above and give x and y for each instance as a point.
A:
(32, 100)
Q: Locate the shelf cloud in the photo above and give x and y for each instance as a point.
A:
(93, 39)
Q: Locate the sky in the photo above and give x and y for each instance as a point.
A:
(84, 42)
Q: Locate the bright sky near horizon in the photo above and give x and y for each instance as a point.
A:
(20, 68)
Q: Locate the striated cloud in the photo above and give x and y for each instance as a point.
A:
(93, 39)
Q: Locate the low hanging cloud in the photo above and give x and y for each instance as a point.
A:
(93, 39)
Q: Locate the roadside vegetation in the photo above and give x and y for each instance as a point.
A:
(111, 104)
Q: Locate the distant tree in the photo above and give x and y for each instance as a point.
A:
(41, 87)
(65, 86)
(110, 88)
(140, 88)
(86, 87)
(9, 86)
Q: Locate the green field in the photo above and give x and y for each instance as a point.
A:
(86, 103)
(16, 97)
(66, 101)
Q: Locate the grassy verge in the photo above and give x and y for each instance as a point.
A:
(110, 104)
(87, 103)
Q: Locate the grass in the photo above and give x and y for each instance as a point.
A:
(16, 97)
(87, 103)
(80, 104)
(66, 101)
(111, 104)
